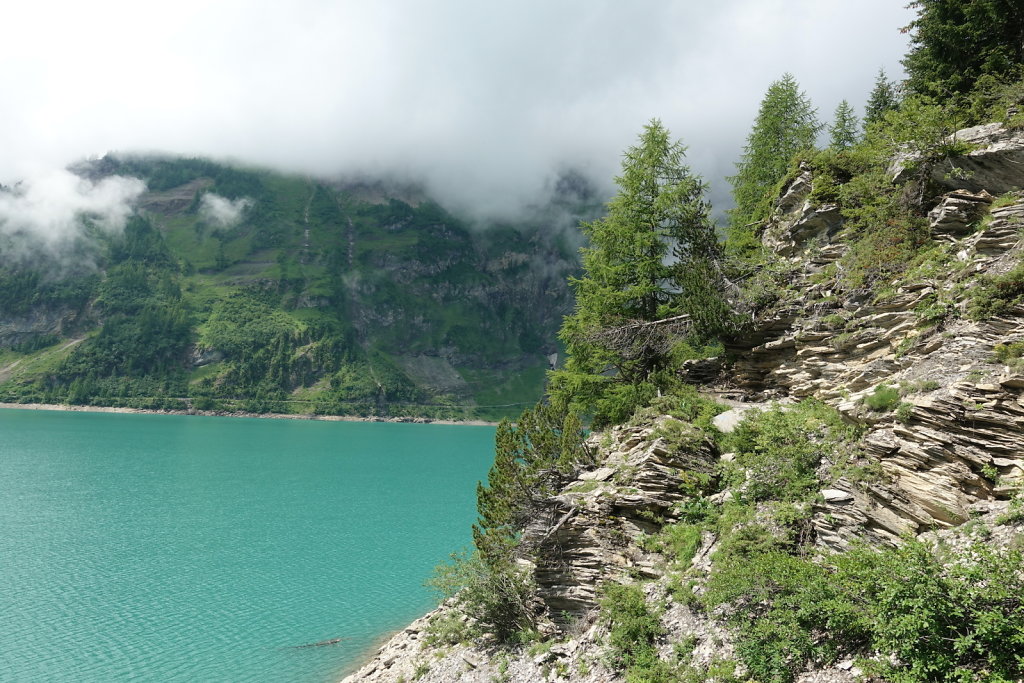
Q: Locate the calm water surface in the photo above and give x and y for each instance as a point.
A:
(173, 548)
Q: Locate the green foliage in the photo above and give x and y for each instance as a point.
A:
(678, 542)
(781, 606)
(1010, 354)
(151, 343)
(781, 449)
(497, 596)
(883, 399)
(884, 98)
(843, 130)
(243, 324)
(953, 43)
(786, 125)
(884, 223)
(23, 289)
(448, 628)
(633, 632)
(945, 619)
(616, 348)
(1014, 512)
(528, 458)
(997, 295)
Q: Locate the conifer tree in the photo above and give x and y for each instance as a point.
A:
(543, 442)
(629, 278)
(843, 131)
(955, 42)
(884, 98)
(786, 124)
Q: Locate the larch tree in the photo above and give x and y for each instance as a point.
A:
(786, 124)
(843, 131)
(639, 269)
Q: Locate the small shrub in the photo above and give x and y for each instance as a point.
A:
(780, 603)
(1014, 513)
(679, 542)
(997, 294)
(1011, 354)
(447, 629)
(934, 620)
(780, 449)
(883, 399)
(496, 594)
(634, 629)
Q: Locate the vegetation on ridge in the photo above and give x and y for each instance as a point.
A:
(917, 612)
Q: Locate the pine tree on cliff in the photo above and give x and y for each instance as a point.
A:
(955, 42)
(843, 131)
(786, 124)
(629, 278)
(884, 98)
(528, 454)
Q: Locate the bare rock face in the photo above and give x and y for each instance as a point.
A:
(590, 531)
(994, 165)
(37, 322)
(798, 222)
(957, 436)
(955, 215)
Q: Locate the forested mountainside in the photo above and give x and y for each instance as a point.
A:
(808, 461)
(242, 289)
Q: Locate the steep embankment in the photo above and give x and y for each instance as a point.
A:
(243, 289)
(853, 416)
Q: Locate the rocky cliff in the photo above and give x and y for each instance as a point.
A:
(926, 373)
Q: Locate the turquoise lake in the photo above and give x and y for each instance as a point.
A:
(175, 548)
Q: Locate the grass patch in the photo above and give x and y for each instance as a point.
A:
(883, 399)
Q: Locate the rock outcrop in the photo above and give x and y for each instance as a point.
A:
(948, 447)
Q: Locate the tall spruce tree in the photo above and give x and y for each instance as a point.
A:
(786, 124)
(629, 278)
(884, 98)
(843, 131)
(955, 42)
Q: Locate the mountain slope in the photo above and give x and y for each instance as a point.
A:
(236, 288)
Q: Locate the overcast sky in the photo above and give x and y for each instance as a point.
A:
(486, 100)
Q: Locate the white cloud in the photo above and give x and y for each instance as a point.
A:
(483, 99)
(221, 211)
(52, 207)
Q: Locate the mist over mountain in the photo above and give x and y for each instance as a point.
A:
(484, 106)
(182, 283)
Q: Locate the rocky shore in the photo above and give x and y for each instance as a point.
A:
(936, 392)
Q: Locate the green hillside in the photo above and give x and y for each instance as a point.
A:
(326, 298)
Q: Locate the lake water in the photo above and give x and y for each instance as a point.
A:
(174, 548)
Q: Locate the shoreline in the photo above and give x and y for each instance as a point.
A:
(263, 416)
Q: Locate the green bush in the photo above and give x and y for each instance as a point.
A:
(633, 631)
(780, 449)
(679, 542)
(997, 294)
(779, 604)
(497, 596)
(883, 399)
(932, 616)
